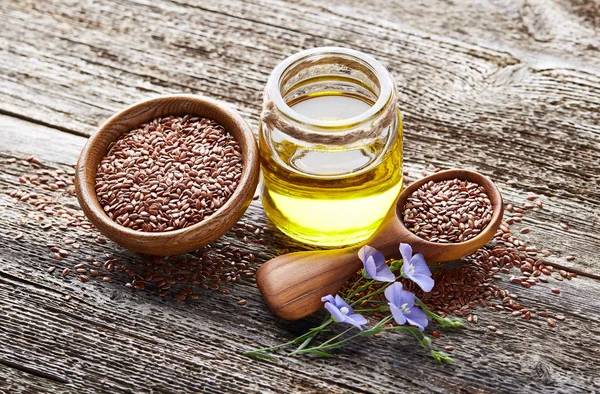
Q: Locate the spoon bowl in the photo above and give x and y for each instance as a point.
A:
(293, 284)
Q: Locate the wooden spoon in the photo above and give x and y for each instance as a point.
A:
(293, 284)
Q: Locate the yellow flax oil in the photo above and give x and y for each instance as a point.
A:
(331, 146)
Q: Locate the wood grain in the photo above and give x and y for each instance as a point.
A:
(108, 338)
(510, 89)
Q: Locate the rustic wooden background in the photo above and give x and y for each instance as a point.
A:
(508, 88)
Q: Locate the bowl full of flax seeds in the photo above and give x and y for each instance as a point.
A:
(168, 175)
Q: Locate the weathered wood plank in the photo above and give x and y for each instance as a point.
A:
(15, 380)
(511, 89)
(112, 339)
(489, 102)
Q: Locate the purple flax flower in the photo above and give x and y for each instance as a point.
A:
(374, 263)
(415, 268)
(402, 306)
(342, 312)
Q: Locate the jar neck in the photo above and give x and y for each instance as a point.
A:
(336, 72)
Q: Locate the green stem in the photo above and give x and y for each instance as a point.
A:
(353, 288)
(308, 335)
(316, 331)
(360, 289)
(376, 292)
(329, 345)
(445, 322)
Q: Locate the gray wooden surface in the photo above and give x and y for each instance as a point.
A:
(508, 88)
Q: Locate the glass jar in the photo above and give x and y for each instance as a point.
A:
(330, 145)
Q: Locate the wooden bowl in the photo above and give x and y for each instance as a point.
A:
(435, 252)
(181, 240)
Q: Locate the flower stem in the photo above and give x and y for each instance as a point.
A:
(307, 337)
(376, 292)
(443, 321)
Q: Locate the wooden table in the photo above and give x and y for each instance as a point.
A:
(510, 89)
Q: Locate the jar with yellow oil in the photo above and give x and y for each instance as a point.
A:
(330, 145)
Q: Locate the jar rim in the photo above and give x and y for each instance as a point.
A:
(381, 73)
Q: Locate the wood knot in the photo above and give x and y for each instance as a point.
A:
(543, 373)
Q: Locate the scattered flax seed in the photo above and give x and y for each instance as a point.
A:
(66, 271)
(448, 348)
(435, 334)
(531, 197)
(559, 317)
(101, 240)
(539, 204)
(107, 279)
(551, 322)
(570, 258)
(241, 302)
(499, 332)
(525, 230)
(564, 226)
(492, 328)
(84, 278)
(169, 173)
(556, 290)
(51, 269)
(449, 211)
(18, 236)
(68, 297)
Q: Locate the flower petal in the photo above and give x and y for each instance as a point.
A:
(417, 318)
(370, 267)
(406, 252)
(340, 303)
(356, 320)
(364, 253)
(424, 281)
(397, 314)
(420, 265)
(384, 274)
(328, 298)
(392, 293)
(406, 297)
(367, 251)
(335, 312)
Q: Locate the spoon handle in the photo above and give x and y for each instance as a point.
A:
(293, 284)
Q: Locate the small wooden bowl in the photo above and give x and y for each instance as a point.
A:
(176, 241)
(434, 251)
